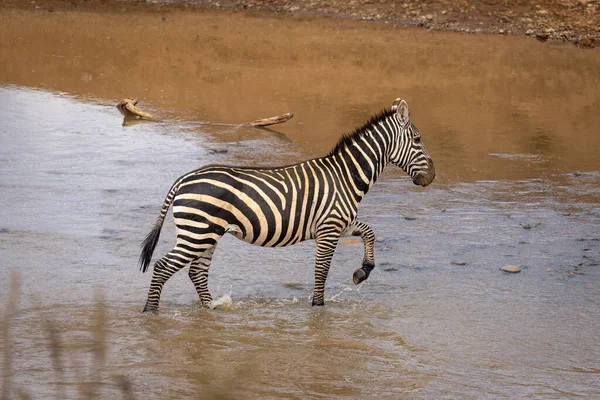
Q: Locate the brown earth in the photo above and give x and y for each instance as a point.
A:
(574, 21)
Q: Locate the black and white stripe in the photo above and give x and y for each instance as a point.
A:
(272, 207)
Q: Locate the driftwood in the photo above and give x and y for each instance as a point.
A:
(272, 121)
(127, 107)
(133, 115)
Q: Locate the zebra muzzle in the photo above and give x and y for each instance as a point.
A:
(425, 178)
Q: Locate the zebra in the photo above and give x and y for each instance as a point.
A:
(280, 206)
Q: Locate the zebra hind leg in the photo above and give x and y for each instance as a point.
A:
(163, 270)
(199, 275)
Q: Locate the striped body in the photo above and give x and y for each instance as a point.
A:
(267, 207)
(273, 207)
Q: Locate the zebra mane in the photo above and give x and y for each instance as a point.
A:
(348, 138)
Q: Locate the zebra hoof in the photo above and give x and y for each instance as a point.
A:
(207, 302)
(148, 307)
(359, 276)
(318, 302)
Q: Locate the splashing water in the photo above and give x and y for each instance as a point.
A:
(223, 303)
(341, 292)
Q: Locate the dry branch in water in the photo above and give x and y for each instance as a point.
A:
(127, 107)
(273, 120)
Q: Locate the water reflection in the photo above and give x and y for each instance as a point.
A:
(541, 142)
(131, 120)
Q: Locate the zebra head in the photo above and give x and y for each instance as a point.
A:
(407, 150)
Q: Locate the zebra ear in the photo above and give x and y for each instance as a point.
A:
(401, 108)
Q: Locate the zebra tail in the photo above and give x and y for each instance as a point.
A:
(149, 243)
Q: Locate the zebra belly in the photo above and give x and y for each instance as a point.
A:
(236, 231)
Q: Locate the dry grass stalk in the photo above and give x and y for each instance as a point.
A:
(9, 312)
(99, 342)
(88, 386)
(125, 386)
(56, 354)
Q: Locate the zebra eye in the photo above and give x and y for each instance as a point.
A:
(417, 139)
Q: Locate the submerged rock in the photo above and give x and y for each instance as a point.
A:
(511, 268)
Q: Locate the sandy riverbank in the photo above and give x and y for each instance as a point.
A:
(574, 21)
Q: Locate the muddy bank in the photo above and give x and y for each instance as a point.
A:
(574, 21)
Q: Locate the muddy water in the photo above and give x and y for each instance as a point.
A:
(512, 125)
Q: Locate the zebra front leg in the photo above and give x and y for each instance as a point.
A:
(325, 248)
(199, 275)
(163, 270)
(368, 237)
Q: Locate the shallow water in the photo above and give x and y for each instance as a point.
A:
(510, 123)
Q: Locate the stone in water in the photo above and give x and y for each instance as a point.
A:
(511, 268)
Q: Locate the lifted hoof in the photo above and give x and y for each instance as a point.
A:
(359, 276)
(362, 273)
(318, 302)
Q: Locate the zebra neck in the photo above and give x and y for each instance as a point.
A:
(362, 160)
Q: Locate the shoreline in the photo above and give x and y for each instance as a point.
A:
(575, 21)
